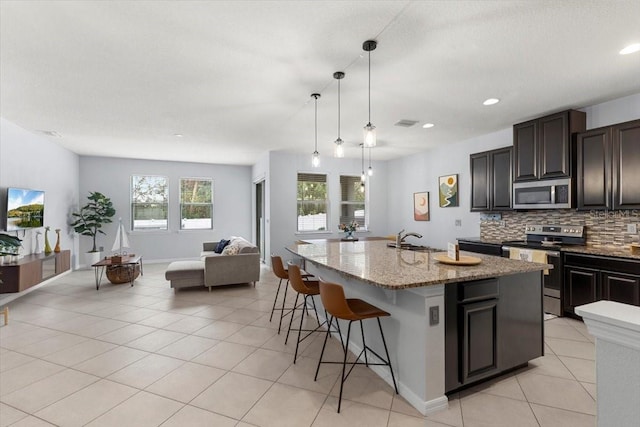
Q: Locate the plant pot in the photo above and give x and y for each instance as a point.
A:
(91, 258)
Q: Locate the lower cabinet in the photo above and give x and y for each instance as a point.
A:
(479, 339)
(619, 287)
(581, 287)
(590, 278)
(491, 326)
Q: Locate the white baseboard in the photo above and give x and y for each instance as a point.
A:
(7, 298)
(425, 407)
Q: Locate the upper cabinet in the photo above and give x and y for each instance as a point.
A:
(491, 180)
(608, 167)
(542, 147)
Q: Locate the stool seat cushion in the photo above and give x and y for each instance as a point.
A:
(363, 310)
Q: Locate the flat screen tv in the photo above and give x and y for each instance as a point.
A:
(25, 209)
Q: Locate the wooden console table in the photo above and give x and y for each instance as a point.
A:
(33, 269)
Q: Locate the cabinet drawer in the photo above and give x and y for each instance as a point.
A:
(478, 291)
(619, 265)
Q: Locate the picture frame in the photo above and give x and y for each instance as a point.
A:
(448, 191)
(421, 206)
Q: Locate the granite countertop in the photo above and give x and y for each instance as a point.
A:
(612, 251)
(375, 263)
(480, 240)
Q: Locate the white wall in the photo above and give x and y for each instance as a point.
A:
(420, 173)
(612, 112)
(283, 170)
(231, 210)
(28, 160)
(260, 172)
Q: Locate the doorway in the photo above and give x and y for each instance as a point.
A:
(260, 214)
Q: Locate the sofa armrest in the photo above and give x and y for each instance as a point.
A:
(231, 269)
(209, 246)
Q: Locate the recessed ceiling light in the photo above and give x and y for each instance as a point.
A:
(491, 101)
(178, 135)
(428, 125)
(632, 48)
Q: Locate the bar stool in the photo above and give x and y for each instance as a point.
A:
(339, 307)
(308, 288)
(283, 274)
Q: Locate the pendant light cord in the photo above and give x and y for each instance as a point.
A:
(369, 86)
(316, 126)
(338, 108)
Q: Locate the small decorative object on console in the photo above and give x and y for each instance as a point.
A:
(47, 246)
(57, 248)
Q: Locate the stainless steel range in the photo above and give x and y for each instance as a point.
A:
(543, 244)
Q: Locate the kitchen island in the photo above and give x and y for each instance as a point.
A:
(450, 326)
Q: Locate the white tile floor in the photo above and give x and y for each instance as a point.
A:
(142, 356)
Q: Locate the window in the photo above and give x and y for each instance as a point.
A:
(196, 204)
(149, 202)
(352, 201)
(312, 202)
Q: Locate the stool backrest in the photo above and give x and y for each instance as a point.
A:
(334, 301)
(295, 279)
(278, 268)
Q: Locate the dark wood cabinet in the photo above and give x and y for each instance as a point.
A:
(479, 339)
(542, 147)
(491, 326)
(624, 288)
(491, 180)
(608, 167)
(525, 151)
(626, 165)
(580, 287)
(590, 278)
(33, 269)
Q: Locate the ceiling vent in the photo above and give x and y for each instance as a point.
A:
(406, 123)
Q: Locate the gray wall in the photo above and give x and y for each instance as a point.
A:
(28, 160)
(281, 192)
(231, 211)
(420, 173)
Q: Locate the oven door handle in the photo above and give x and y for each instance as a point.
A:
(553, 254)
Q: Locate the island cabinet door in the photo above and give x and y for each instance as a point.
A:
(479, 339)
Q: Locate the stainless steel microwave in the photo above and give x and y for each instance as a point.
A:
(548, 194)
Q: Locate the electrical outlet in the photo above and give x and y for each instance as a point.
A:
(632, 228)
(434, 315)
(458, 223)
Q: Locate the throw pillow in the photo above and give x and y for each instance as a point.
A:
(231, 250)
(221, 245)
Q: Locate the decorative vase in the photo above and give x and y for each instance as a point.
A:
(38, 250)
(47, 246)
(349, 235)
(57, 248)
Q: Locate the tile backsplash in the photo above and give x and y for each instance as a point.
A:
(603, 228)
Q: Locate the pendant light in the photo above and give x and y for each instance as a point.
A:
(363, 177)
(370, 170)
(315, 159)
(369, 129)
(339, 149)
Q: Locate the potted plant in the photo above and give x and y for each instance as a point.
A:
(9, 245)
(91, 218)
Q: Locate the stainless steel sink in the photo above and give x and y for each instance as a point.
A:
(417, 248)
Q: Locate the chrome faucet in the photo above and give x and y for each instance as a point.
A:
(400, 238)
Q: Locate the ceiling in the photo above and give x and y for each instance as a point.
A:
(234, 78)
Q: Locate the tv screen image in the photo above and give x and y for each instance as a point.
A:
(25, 209)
